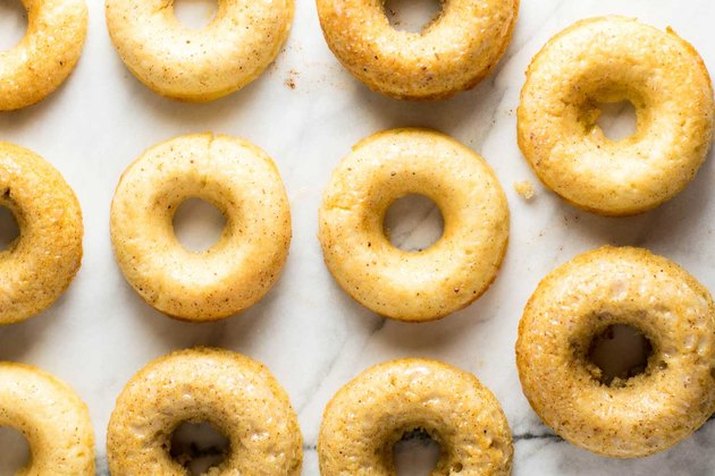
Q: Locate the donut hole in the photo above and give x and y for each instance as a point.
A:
(9, 229)
(14, 451)
(412, 15)
(13, 23)
(416, 453)
(413, 223)
(617, 120)
(195, 14)
(619, 352)
(198, 225)
(198, 447)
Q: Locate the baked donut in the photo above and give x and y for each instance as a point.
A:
(37, 267)
(198, 65)
(406, 285)
(577, 302)
(241, 181)
(606, 60)
(237, 395)
(452, 53)
(53, 419)
(47, 54)
(364, 420)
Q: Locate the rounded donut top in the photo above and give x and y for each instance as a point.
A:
(46, 55)
(51, 416)
(452, 53)
(198, 64)
(237, 395)
(609, 59)
(41, 262)
(578, 301)
(405, 285)
(242, 182)
(367, 416)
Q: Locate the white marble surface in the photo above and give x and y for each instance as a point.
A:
(307, 331)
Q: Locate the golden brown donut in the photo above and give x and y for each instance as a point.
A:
(407, 285)
(366, 417)
(452, 53)
(237, 395)
(198, 64)
(46, 55)
(53, 419)
(637, 416)
(39, 265)
(604, 60)
(241, 181)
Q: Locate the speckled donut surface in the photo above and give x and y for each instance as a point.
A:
(53, 419)
(364, 420)
(37, 267)
(407, 285)
(237, 395)
(605, 60)
(640, 415)
(241, 181)
(198, 64)
(46, 55)
(452, 53)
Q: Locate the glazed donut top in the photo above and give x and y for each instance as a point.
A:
(640, 415)
(609, 59)
(452, 53)
(198, 64)
(47, 54)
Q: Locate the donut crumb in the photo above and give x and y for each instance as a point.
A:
(290, 80)
(525, 189)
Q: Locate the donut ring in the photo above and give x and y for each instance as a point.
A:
(406, 285)
(53, 419)
(609, 59)
(451, 54)
(646, 413)
(47, 54)
(237, 395)
(198, 65)
(241, 181)
(39, 265)
(364, 420)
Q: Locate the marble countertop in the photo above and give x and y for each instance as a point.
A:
(306, 111)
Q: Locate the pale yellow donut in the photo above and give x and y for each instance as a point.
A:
(198, 64)
(237, 395)
(241, 181)
(453, 53)
(405, 285)
(366, 417)
(38, 266)
(46, 55)
(640, 415)
(53, 419)
(610, 59)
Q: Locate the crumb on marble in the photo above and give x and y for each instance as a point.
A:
(525, 189)
(290, 80)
